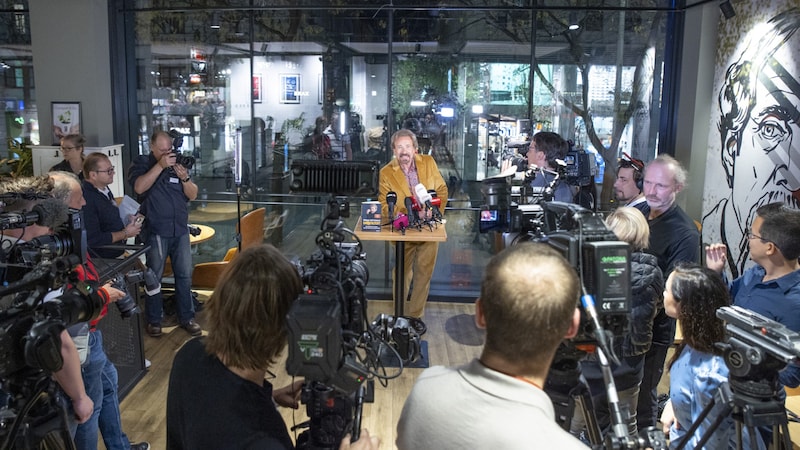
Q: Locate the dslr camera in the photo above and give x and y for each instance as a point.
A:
(177, 143)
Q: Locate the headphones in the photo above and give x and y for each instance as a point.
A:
(638, 169)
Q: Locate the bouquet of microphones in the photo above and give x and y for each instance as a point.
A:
(423, 209)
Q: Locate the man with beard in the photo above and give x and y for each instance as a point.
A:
(759, 108)
(674, 238)
(401, 175)
(629, 184)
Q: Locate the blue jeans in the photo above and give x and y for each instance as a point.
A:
(179, 252)
(100, 381)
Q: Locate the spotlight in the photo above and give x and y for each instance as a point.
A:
(727, 9)
(573, 21)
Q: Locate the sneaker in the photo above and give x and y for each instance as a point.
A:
(141, 446)
(192, 328)
(154, 329)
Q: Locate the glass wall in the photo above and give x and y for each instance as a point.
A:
(474, 82)
(20, 121)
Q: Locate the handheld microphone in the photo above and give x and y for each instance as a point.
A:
(49, 213)
(412, 216)
(391, 200)
(436, 202)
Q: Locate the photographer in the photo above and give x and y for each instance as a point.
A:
(101, 214)
(164, 189)
(98, 373)
(527, 307)
(218, 396)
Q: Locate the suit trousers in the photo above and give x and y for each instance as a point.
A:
(420, 259)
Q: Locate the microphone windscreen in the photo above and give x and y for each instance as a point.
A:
(400, 222)
(391, 198)
(422, 194)
(52, 213)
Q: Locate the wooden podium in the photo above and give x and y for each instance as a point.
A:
(437, 234)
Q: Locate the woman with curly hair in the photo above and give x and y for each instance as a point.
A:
(692, 295)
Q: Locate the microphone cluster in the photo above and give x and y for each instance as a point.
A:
(424, 209)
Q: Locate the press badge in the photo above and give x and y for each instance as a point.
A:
(174, 180)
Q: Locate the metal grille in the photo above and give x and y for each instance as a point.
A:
(335, 177)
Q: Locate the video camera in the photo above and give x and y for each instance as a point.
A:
(330, 344)
(177, 142)
(30, 348)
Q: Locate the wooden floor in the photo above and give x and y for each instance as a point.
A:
(452, 339)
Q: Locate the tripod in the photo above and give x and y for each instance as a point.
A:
(751, 404)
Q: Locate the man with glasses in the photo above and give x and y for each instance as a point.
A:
(772, 287)
(629, 184)
(545, 149)
(674, 238)
(101, 215)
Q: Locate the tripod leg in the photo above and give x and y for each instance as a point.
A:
(584, 401)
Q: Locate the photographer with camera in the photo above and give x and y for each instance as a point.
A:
(101, 214)
(527, 306)
(218, 396)
(164, 188)
(98, 372)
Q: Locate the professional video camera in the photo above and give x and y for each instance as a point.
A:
(127, 305)
(177, 142)
(30, 329)
(330, 343)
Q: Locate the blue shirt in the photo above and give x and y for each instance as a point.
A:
(778, 300)
(164, 205)
(561, 191)
(693, 381)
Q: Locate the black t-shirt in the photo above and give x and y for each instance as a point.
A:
(210, 407)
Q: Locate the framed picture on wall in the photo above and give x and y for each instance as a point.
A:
(66, 119)
(290, 85)
(257, 85)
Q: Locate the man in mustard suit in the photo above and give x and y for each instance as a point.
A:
(406, 170)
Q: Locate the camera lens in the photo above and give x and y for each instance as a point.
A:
(126, 306)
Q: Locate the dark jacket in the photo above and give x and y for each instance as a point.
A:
(647, 286)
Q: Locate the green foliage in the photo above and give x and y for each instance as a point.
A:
(19, 162)
(419, 78)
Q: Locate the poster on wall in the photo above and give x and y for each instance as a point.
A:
(257, 85)
(753, 123)
(66, 119)
(290, 84)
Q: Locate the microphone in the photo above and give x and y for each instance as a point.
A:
(400, 222)
(436, 202)
(49, 213)
(424, 197)
(391, 200)
(412, 216)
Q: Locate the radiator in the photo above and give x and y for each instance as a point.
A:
(335, 177)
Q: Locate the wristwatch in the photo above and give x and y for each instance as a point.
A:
(188, 177)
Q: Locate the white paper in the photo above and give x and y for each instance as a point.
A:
(127, 208)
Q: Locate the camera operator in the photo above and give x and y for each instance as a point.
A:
(647, 285)
(527, 307)
(547, 147)
(218, 396)
(69, 377)
(164, 189)
(101, 214)
(98, 373)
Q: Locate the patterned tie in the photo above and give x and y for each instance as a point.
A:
(111, 196)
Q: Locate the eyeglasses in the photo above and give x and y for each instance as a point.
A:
(751, 235)
(66, 149)
(110, 170)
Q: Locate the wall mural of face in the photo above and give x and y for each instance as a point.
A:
(759, 133)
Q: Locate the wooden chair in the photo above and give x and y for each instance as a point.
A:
(206, 275)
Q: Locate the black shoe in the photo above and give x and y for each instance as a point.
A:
(192, 328)
(154, 329)
(141, 446)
